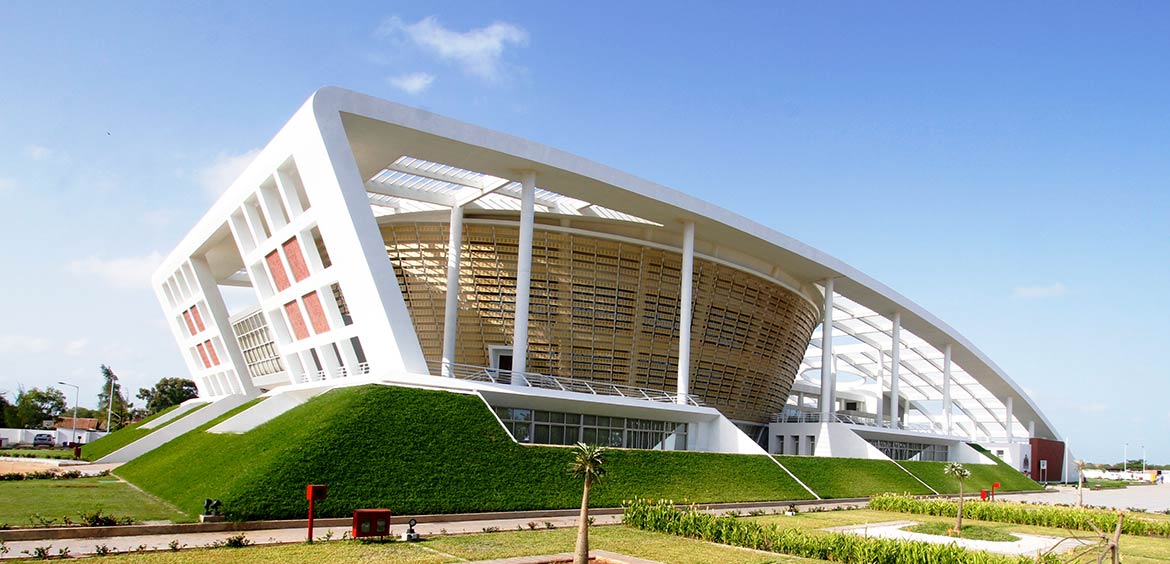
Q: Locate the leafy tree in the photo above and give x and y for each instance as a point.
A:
(960, 473)
(167, 392)
(34, 407)
(121, 413)
(587, 463)
(7, 412)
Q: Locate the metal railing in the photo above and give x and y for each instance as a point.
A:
(341, 372)
(850, 419)
(560, 383)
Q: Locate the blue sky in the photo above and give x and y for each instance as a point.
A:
(1006, 166)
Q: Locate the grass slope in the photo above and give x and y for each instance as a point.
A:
(53, 499)
(982, 476)
(851, 477)
(421, 451)
(128, 434)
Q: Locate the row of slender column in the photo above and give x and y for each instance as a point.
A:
(829, 377)
(524, 292)
(523, 301)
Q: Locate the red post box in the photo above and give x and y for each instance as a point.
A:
(983, 495)
(371, 523)
(314, 492)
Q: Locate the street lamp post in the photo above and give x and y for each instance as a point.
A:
(109, 407)
(76, 398)
(1143, 459)
(1125, 459)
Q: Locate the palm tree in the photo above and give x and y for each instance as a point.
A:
(955, 469)
(587, 463)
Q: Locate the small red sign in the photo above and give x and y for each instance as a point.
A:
(316, 492)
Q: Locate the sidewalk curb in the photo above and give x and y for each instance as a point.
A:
(53, 533)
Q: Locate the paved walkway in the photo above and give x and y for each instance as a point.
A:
(82, 545)
(1149, 497)
(1028, 545)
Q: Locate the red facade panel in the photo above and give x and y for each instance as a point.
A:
(190, 325)
(276, 267)
(198, 318)
(296, 260)
(316, 313)
(293, 311)
(1052, 453)
(203, 355)
(211, 352)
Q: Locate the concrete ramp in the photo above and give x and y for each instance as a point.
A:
(179, 427)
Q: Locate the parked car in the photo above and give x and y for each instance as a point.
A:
(43, 440)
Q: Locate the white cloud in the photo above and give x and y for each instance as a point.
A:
(74, 347)
(1054, 290)
(478, 52)
(413, 83)
(37, 152)
(217, 176)
(127, 272)
(15, 344)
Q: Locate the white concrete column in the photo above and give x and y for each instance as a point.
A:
(1031, 429)
(451, 311)
(948, 410)
(881, 387)
(895, 370)
(826, 401)
(833, 388)
(1007, 419)
(218, 318)
(1067, 461)
(686, 307)
(523, 277)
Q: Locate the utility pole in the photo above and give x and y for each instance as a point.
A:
(76, 398)
(109, 405)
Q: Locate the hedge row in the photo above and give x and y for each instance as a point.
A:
(662, 516)
(1022, 514)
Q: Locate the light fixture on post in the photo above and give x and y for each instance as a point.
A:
(76, 398)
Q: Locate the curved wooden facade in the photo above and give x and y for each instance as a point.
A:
(607, 310)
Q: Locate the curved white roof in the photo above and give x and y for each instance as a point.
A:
(409, 155)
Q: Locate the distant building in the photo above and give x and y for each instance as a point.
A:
(82, 424)
(385, 244)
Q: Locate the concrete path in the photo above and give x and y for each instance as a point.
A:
(1150, 497)
(82, 545)
(1028, 545)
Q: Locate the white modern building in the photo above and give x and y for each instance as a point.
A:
(385, 244)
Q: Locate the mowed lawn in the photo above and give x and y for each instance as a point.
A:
(1134, 550)
(54, 499)
(441, 549)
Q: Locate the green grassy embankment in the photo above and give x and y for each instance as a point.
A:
(421, 451)
(982, 476)
(851, 477)
(51, 500)
(128, 434)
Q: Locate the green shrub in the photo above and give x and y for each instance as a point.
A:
(417, 452)
(662, 516)
(1056, 517)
